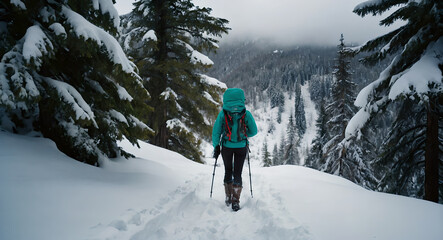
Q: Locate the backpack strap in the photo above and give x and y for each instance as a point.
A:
(228, 119)
(242, 125)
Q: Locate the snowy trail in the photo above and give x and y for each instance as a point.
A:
(189, 213)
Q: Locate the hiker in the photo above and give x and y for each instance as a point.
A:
(233, 126)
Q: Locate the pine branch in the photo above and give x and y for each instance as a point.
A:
(401, 14)
(410, 153)
(375, 43)
(377, 7)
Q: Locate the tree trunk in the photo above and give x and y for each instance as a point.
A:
(159, 81)
(431, 154)
(161, 139)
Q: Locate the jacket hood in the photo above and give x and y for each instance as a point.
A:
(234, 100)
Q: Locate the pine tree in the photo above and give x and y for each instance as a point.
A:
(279, 113)
(266, 156)
(166, 39)
(316, 156)
(300, 119)
(338, 159)
(281, 151)
(417, 45)
(63, 73)
(275, 156)
(276, 95)
(291, 154)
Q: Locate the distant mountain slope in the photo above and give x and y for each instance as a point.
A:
(255, 65)
(270, 74)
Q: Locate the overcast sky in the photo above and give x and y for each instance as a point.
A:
(291, 21)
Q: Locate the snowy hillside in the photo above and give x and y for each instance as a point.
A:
(161, 195)
(265, 116)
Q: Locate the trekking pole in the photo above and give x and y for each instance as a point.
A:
(250, 178)
(213, 174)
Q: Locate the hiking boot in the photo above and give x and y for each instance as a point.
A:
(236, 191)
(228, 191)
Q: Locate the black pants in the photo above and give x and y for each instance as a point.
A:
(233, 158)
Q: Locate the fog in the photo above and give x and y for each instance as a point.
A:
(308, 22)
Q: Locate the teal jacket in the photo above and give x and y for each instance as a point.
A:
(234, 102)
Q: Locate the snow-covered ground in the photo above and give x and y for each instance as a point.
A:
(161, 195)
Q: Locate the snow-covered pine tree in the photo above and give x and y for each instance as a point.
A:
(300, 119)
(271, 126)
(63, 73)
(415, 72)
(276, 95)
(320, 87)
(277, 98)
(165, 39)
(275, 156)
(291, 154)
(281, 152)
(281, 109)
(316, 156)
(266, 156)
(338, 160)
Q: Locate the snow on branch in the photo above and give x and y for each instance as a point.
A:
(140, 124)
(123, 94)
(149, 35)
(363, 95)
(143, 7)
(196, 56)
(212, 81)
(83, 28)
(176, 123)
(6, 95)
(370, 3)
(106, 6)
(36, 43)
(70, 96)
(118, 116)
(208, 38)
(168, 93)
(424, 73)
(209, 97)
(127, 37)
(15, 81)
(58, 29)
(18, 4)
(376, 6)
(80, 136)
(356, 123)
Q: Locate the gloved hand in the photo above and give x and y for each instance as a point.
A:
(216, 151)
